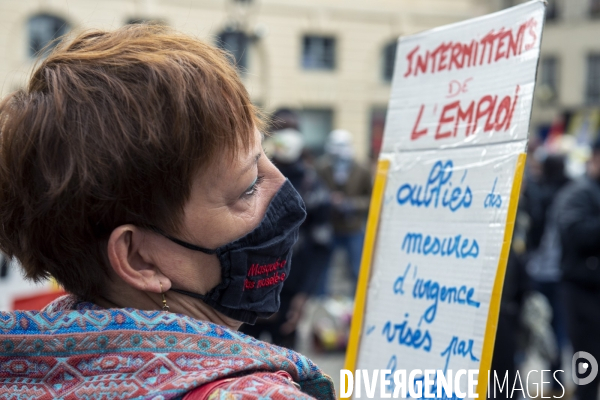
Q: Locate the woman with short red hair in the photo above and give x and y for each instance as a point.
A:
(132, 172)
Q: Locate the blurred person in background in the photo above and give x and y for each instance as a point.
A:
(544, 247)
(541, 191)
(311, 252)
(350, 184)
(578, 221)
(132, 172)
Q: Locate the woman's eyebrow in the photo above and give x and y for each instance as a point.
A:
(252, 164)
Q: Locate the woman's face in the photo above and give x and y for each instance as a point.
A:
(228, 199)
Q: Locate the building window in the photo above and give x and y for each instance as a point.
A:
(595, 8)
(548, 89)
(43, 30)
(593, 79)
(551, 11)
(389, 59)
(315, 125)
(318, 52)
(236, 43)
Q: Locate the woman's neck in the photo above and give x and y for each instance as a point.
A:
(127, 297)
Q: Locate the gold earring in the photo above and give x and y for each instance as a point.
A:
(165, 307)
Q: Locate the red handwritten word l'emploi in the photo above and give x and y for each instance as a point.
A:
(496, 114)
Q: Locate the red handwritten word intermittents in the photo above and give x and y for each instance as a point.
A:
(493, 47)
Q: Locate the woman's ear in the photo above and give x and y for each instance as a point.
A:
(132, 263)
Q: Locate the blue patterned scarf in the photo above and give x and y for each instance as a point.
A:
(77, 350)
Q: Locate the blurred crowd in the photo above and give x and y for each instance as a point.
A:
(551, 296)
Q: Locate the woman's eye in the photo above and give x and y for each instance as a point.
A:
(253, 189)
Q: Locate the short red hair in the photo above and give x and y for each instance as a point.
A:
(111, 130)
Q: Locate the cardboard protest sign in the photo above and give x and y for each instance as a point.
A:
(445, 195)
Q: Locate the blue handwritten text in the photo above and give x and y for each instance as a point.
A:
(445, 247)
(437, 191)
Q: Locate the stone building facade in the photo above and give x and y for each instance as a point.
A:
(329, 59)
(568, 89)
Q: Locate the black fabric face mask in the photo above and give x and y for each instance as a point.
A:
(254, 267)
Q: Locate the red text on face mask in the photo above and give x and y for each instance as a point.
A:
(265, 269)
